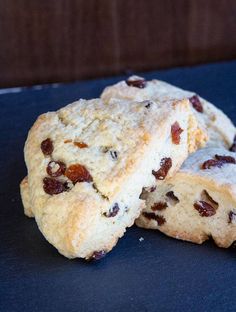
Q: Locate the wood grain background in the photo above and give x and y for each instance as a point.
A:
(45, 41)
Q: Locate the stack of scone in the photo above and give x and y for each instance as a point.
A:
(95, 167)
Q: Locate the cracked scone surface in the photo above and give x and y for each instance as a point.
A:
(119, 145)
(212, 120)
(196, 203)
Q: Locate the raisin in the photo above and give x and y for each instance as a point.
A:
(205, 196)
(232, 217)
(166, 164)
(138, 83)
(218, 162)
(52, 186)
(196, 103)
(159, 206)
(204, 209)
(160, 220)
(114, 155)
(151, 216)
(233, 146)
(56, 168)
(211, 163)
(47, 146)
(67, 141)
(171, 196)
(97, 255)
(80, 144)
(175, 133)
(226, 159)
(78, 173)
(113, 211)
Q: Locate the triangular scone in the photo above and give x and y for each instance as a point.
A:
(88, 162)
(198, 202)
(220, 129)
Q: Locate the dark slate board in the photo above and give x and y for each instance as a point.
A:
(157, 274)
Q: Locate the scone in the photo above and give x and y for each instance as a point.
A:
(88, 162)
(220, 129)
(199, 202)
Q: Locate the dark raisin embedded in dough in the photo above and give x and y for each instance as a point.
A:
(113, 211)
(170, 195)
(52, 186)
(225, 159)
(233, 146)
(160, 220)
(211, 163)
(166, 164)
(204, 209)
(205, 196)
(138, 83)
(159, 206)
(151, 216)
(175, 133)
(78, 173)
(56, 168)
(219, 161)
(47, 146)
(232, 217)
(97, 255)
(114, 154)
(196, 103)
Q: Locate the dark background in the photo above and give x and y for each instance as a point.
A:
(45, 41)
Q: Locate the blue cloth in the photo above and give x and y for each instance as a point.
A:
(157, 274)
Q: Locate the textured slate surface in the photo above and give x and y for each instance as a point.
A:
(157, 274)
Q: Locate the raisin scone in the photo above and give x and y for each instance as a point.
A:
(220, 129)
(198, 202)
(88, 162)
